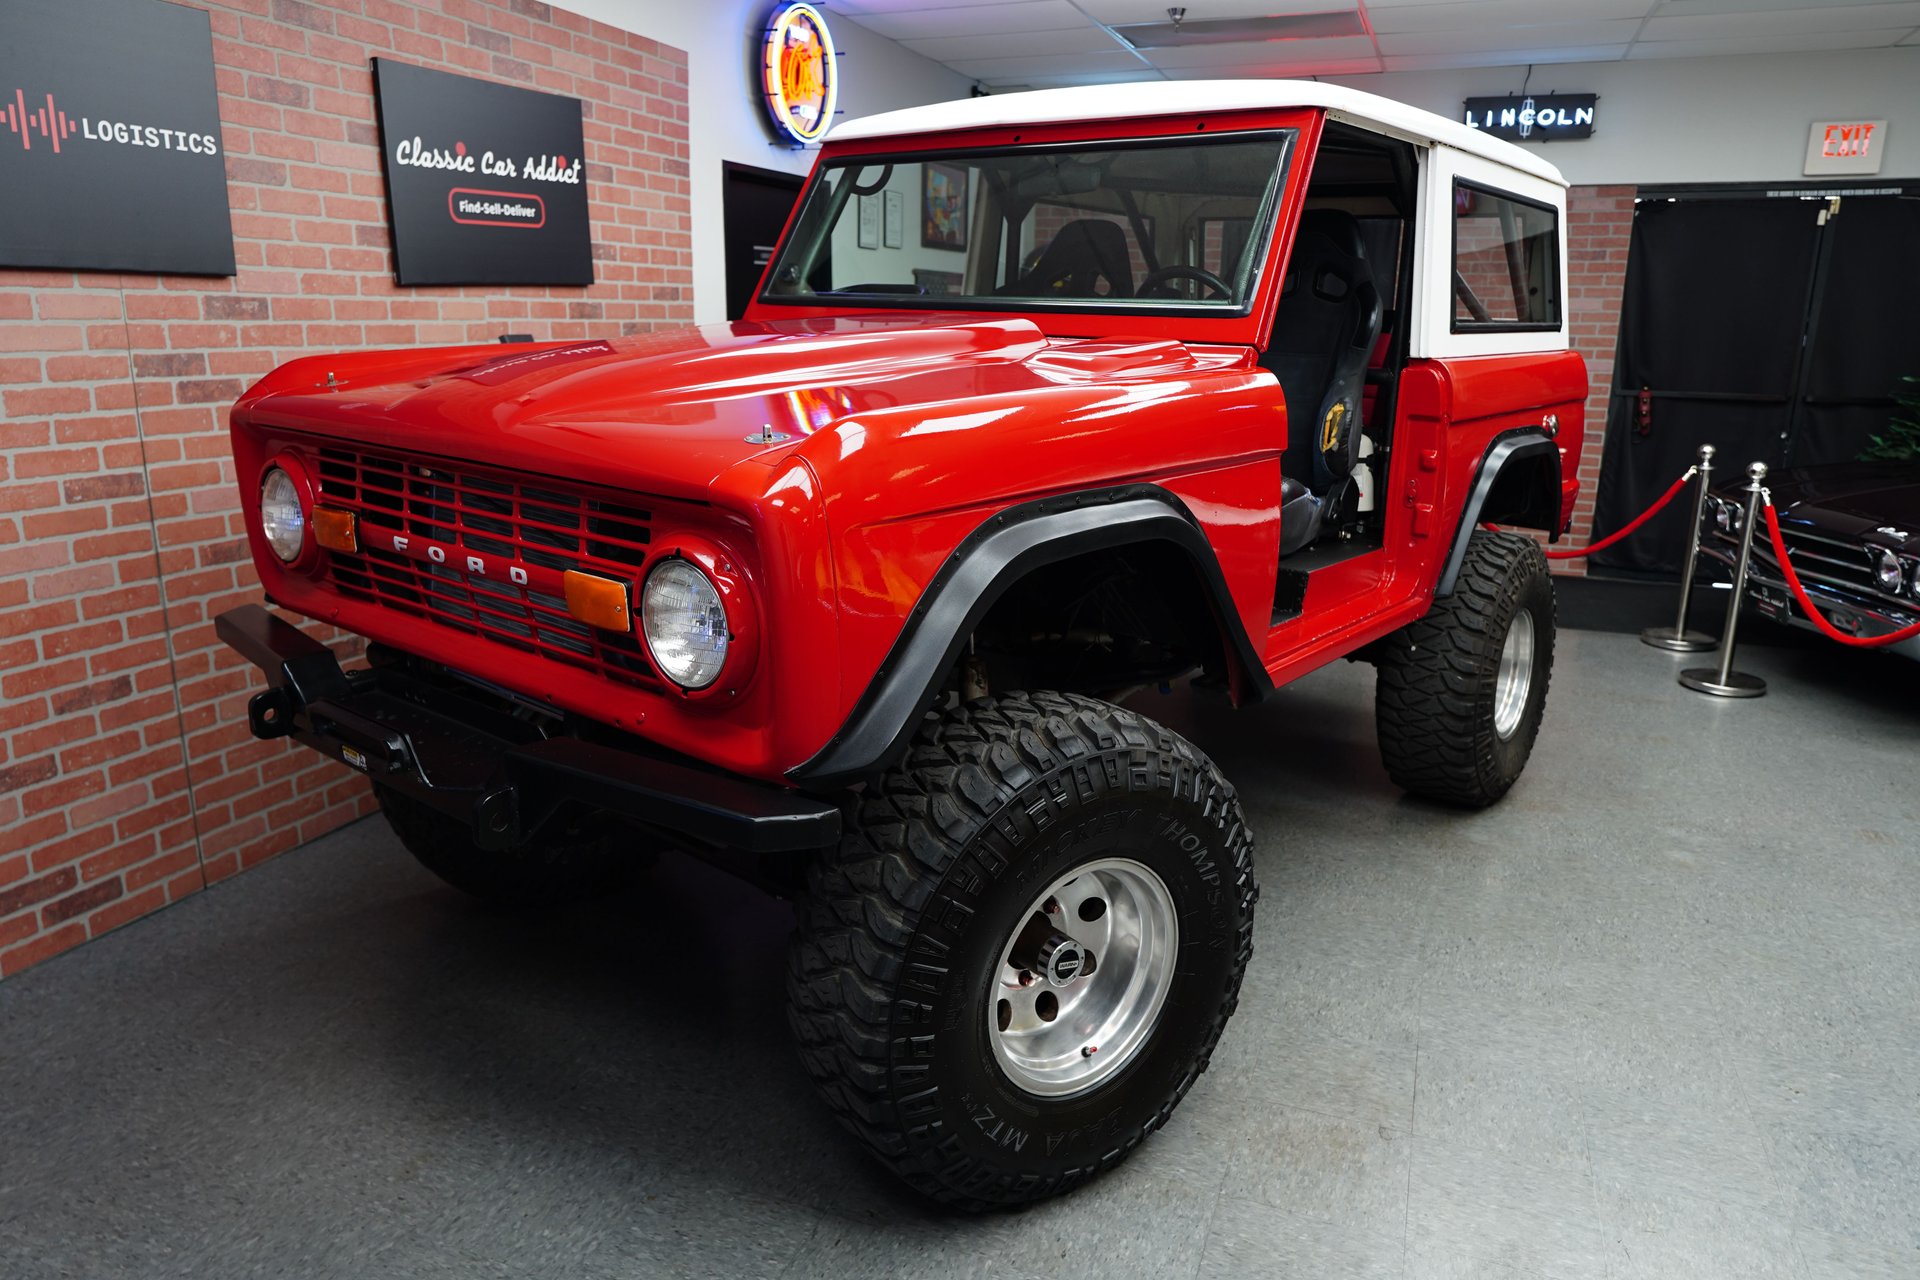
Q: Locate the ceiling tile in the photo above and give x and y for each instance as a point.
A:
(1677, 8)
(1265, 52)
(1054, 64)
(1088, 39)
(1506, 58)
(1465, 14)
(1763, 44)
(1278, 70)
(855, 8)
(1117, 11)
(1804, 21)
(1559, 35)
(1069, 81)
(924, 24)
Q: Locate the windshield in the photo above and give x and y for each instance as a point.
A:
(1114, 226)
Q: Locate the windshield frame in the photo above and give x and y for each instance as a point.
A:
(1294, 130)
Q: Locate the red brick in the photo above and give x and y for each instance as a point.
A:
(30, 892)
(15, 959)
(126, 909)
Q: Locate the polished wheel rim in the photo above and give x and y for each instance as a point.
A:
(1515, 677)
(1083, 976)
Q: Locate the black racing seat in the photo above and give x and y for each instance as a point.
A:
(1083, 252)
(1324, 331)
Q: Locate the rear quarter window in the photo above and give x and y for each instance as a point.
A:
(1506, 262)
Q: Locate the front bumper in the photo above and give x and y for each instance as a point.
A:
(1852, 613)
(496, 772)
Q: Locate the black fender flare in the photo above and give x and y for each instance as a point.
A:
(1003, 549)
(1508, 488)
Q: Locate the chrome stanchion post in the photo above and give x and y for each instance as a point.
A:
(1726, 682)
(1677, 637)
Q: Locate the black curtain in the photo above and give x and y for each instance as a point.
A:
(1710, 327)
(1864, 334)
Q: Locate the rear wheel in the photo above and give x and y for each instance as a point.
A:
(570, 862)
(1026, 948)
(1461, 692)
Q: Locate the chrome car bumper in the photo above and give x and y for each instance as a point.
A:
(1858, 615)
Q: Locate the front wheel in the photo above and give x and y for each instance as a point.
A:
(1026, 948)
(1461, 692)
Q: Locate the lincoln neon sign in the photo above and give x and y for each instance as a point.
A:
(1542, 118)
(800, 74)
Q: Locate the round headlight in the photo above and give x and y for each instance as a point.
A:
(1916, 578)
(684, 623)
(281, 518)
(1723, 515)
(1886, 570)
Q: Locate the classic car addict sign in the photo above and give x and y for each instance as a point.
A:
(485, 182)
(110, 139)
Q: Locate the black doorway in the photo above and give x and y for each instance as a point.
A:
(1769, 326)
(756, 204)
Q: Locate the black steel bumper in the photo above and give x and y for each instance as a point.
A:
(494, 771)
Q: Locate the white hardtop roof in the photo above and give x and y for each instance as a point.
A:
(1182, 97)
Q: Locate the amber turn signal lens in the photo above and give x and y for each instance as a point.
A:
(334, 529)
(598, 602)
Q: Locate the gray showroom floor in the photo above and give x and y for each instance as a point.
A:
(1656, 1015)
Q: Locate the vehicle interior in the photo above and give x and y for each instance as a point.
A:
(1138, 225)
(1337, 345)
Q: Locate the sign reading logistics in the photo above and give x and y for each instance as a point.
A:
(110, 151)
(800, 73)
(1846, 146)
(485, 182)
(1545, 117)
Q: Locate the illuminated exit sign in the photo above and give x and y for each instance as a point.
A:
(1542, 117)
(1846, 146)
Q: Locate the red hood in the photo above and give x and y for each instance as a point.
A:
(669, 412)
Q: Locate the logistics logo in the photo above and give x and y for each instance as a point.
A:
(55, 127)
(49, 120)
(800, 72)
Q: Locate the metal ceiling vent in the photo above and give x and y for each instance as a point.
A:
(1287, 26)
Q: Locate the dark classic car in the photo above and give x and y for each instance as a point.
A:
(1853, 533)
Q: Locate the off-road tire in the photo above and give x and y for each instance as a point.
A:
(899, 940)
(1435, 700)
(568, 864)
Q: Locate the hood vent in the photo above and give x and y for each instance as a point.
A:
(1297, 26)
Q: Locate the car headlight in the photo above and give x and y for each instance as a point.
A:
(1726, 516)
(1887, 572)
(684, 623)
(282, 519)
(1916, 578)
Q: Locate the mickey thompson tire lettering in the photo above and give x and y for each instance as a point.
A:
(1438, 678)
(900, 939)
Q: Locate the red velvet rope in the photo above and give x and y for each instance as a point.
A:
(1574, 553)
(1813, 613)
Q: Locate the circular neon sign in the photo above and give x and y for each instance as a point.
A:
(800, 75)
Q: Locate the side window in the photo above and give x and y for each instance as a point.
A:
(1506, 262)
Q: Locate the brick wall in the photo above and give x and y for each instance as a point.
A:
(127, 778)
(1599, 230)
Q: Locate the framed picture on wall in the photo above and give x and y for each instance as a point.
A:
(895, 233)
(943, 206)
(869, 222)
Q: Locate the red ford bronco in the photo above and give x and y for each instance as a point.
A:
(1216, 378)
